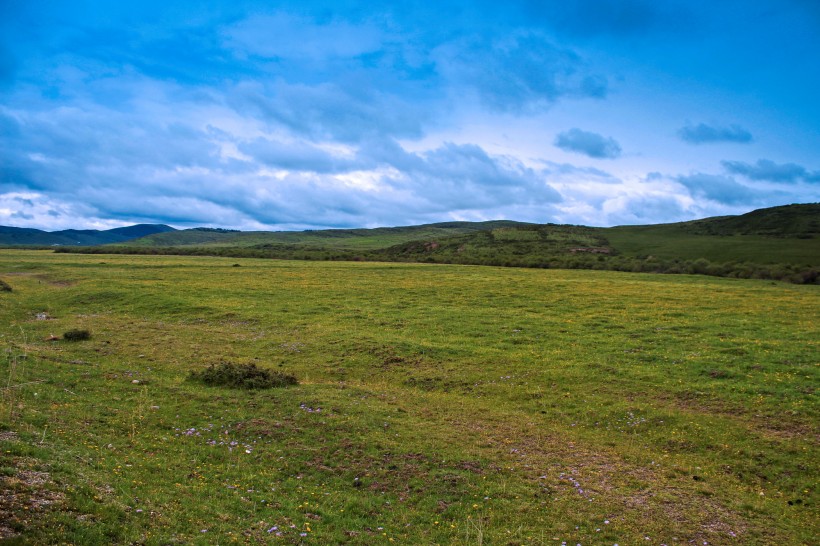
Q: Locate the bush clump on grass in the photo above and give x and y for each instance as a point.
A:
(242, 376)
(4, 286)
(77, 335)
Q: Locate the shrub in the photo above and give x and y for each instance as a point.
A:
(77, 335)
(4, 286)
(242, 376)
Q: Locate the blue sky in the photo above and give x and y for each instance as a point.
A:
(295, 115)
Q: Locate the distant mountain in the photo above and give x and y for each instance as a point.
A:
(13, 236)
(711, 238)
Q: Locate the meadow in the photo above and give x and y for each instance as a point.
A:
(435, 404)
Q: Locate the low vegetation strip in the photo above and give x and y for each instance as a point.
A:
(457, 252)
(435, 404)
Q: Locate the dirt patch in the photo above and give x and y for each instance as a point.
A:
(263, 428)
(558, 467)
(391, 357)
(439, 384)
(403, 474)
(783, 426)
(43, 278)
(25, 495)
(61, 283)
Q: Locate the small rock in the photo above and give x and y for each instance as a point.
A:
(136, 381)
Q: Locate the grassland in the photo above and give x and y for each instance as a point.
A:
(436, 404)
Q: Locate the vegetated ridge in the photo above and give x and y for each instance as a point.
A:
(776, 243)
(349, 239)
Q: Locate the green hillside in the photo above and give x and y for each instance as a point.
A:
(798, 221)
(788, 234)
(777, 243)
(676, 243)
(527, 245)
(196, 236)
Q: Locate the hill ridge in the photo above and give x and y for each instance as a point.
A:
(795, 220)
(776, 243)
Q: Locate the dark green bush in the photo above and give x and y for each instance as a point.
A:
(77, 335)
(242, 376)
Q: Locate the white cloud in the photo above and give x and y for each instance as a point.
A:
(293, 118)
(39, 211)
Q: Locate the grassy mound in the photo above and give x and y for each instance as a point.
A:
(242, 376)
(77, 335)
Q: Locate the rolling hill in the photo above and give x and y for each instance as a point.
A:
(773, 243)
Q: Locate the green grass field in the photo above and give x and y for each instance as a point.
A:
(436, 404)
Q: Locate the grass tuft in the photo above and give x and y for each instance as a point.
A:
(4, 286)
(242, 376)
(77, 335)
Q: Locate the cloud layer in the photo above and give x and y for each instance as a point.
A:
(589, 144)
(705, 134)
(768, 170)
(343, 114)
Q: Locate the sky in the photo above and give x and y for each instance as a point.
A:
(283, 115)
